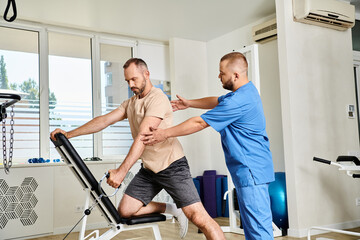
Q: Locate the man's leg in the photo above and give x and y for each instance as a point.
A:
(177, 181)
(197, 214)
(130, 206)
(255, 212)
(138, 195)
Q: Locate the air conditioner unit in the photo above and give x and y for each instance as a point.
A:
(327, 13)
(265, 32)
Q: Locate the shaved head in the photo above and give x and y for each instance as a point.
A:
(233, 71)
(235, 61)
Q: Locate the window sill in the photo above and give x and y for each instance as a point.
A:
(59, 164)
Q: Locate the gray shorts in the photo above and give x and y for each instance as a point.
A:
(175, 179)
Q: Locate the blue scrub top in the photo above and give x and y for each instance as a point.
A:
(240, 120)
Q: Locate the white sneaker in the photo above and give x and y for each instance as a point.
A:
(183, 223)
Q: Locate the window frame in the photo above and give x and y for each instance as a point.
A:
(95, 40)
(356, 67)
(44, 145)
(98, 40)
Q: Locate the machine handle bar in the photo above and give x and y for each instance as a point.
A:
(106, 175)
(322, 160)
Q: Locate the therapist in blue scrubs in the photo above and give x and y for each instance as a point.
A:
(239, 118)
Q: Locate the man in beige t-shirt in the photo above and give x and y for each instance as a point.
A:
(164, 165)
(154, 104)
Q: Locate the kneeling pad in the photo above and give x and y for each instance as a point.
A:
(148, 218)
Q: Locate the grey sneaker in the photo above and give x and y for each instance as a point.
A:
(183, 223)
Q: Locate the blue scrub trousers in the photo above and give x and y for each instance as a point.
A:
(255, 211)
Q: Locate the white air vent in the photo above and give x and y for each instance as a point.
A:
(265, 32)
(326, 13)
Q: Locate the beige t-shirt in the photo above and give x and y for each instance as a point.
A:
(154, 104)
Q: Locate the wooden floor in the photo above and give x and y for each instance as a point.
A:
(169, 231)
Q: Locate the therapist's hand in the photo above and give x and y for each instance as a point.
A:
(154, 136)
(180, 104)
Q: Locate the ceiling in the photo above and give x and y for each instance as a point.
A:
(201, 20)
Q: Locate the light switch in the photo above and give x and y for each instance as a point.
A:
(351, 111)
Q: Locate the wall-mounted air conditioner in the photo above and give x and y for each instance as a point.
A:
(265, 32)
(327, 13)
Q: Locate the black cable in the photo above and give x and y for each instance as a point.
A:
(10, 2)
(74, 226)
(86, 212)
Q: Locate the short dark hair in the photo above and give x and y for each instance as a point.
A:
(234, 56)
(137, 61)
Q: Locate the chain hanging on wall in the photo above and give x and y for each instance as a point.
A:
(7, 163)
(12, 98)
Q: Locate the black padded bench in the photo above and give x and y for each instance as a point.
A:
(90, 184)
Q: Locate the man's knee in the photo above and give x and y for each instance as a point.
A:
(197, 214)
(129, 206)
(124, 211)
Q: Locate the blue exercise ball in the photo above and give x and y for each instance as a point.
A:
(277, 192)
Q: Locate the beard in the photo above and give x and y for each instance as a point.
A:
(228, 85)
(139, 90)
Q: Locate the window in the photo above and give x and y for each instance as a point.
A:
(164, 86)
(70, 87)
(355, 33)
(70, 77)
(109, 101)
(19, 70)
(108, 78)
(116, 139)
(156, 56)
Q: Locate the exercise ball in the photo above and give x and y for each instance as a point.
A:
(277, 192)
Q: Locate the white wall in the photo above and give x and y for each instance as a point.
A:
(270, 96)
(270, 89)
(317, 83)
(188, 71)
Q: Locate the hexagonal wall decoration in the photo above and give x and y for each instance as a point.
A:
(18, 202)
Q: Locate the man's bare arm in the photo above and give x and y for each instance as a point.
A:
(95, 125)
(202, 103)
(137, 148)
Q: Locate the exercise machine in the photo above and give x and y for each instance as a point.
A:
(351, 166)
(100, 199)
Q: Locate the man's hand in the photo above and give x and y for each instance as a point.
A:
(116, 177)
(58, 130)
(154, 136)
(180, 104)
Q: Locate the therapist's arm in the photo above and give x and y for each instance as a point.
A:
(192, 125)
(202, 103)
